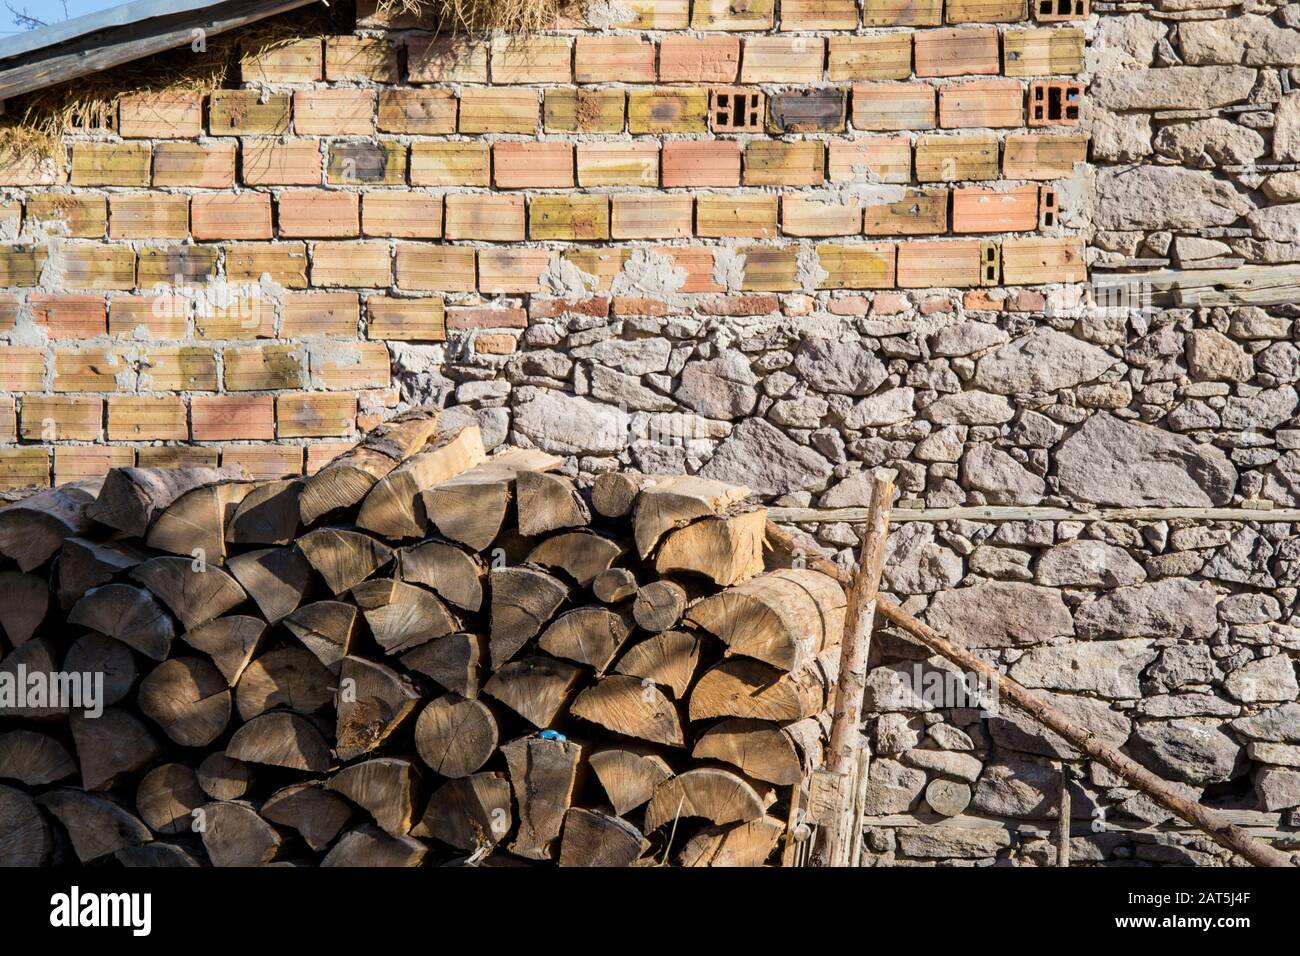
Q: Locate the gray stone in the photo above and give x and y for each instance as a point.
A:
(1000, 614)
(1282, 755)
(1002, 479)
(1183, 664)
(1286, 129)
(1267, 409)
(1277, 789)
(1279, 223)
(886, 408)
(1244, 560)
(1086, 563)
(949, 737)
(1174, 607)
(1268, 679)
(1282, 480)
(615, 388)
(1016, 730)
(1193, 750)
(1279, 725)
(630, 356)
(966, 338)
(945, 842)
(760, 456)
(1165, 197)
(916, 564)
(720, 387)
(1018, 789)
(1248, 39)
(1212, 355)
(1105, 668)
(1109, 461)
(846, 368)
(1173, 88)
(895, 733)
(1208, 143)
(805, 412)
(1249, 608)
(571, 425)
(970, 408)
(946, 763)
(1187, 705)
(1121, 137)
(1043, 361)
(892, 787)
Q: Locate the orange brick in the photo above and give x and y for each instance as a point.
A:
(614, 59)
(889, 106)
(651, 216)
(334, 112)
(512, 270)
(568, 217)
(67, 214)
(886, 159)
(951, 158)
(354, 365)
(49, 418)
(20, 166)
(982, 209)
(176, 368)
(985, 11)
(176, 265)
(902, 13)
(320, 454)
(160, 115)
(446, 59)
(24, 468)
(427, 112)
(92, 370)
(692, 59)
(1055, 103)
(884, 57)
(148, 216)
(245, 112)
(495, 343)
(801, 216)
(1035, 260)
(404, 214)
(440, 268)
(405, 319)
(22, 369)
(244, 215)
(747, 216)
(498, 218)
(153, 317)
(356, 264)
(532, 59)
(68, 316)
(298, 61)
(230, 417)
(449, 164)
(981, 103)
(779, 59)
(74, 462)
(245, 313)
(618, 164)
(319, 313)
(770, 268)
(366, 164)
(917, 213)
(351, 58)
(860, 265)
(667, 110)
(176, 456)
(206, 166)
(701, 163)
(155, 418)
(521, 165)
(498, 111)
(776, 163)
(819, 15)
(1042, 156)
(265, 462)
(96, 267)
(733, 15)
(583, 110)
(957, 52)
(284, 262)
(263, 367)
(111, 164)
(948, 265)
(270, 162)
(315, 414)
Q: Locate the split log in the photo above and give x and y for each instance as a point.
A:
(195, 592)
(471, 507)
(614, 585)
(86, 564)
(230, 642)
(717, 795)
(34, 759)
(222, 777)
(660, 605)
(668, 659)
(281, 738)
(194, 524)
(739, 687)
(384, 787)
(25, 837)
(368, 846)
(268, 514)
(111, 747)
(155, 855)
(632, 707)
(188, 698)
(96, 825)
(129, 614)
(33, 530)
(454, 736)
(782, 617)
(471, 813)
(347, 479)
(580, 554)
(317, 814)
(275, 578)
(326, 628)
(402, 616)
(593, 838)
(725, 550)
(737, 844)
(167, 798)
(675, 502)
(37, 656)
(758, 748)
(394, 507)
(343, 558)
(235, 835)
(629, 775)
(132, 499)
(547, 503)
(613, 493)
(543, 773)
(285, 677)
(587, 635)
(26, 602)
(523, 600)
(373, 701)
(97, 654)
(455, 661)
(455, 575)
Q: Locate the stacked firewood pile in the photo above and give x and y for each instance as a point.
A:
(418, 655)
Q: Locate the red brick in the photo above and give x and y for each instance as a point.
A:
(227, 417)
(701, 163)
(887, 106)
(691, 59)
(956, 52)
(536, 165)
(69, 316)
(482, 317)
(620, 58)
(981, 103)
(318, 213)
(244, 215)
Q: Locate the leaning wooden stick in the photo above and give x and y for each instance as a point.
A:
(1225, 834)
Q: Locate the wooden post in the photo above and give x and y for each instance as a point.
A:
(1063, 820)
(847, 750)
(1225, 834)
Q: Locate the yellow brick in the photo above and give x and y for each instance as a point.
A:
(930, 265)
(68, 214)
(1043, 52)
(780, 59)
(314, 414)
(21, 265)
(243, 313)
(352, 264)
(244, 113)
(265, 462)
(884, 57)
(284, 262)
(97, 267)
(985, 11)
(352, 365)
(440, 267)
(306, 314)
(1036, 260)
(404, 214)
(618, 164)
(583, 111)
(776, 163)
(512, 270)
(148, 216)
(24, 468)
(650, 14)
(50, 418)
(8, 419)
(351, 58)
(74, 462)
(93, 370)
(745, 216)
(819, 15)
(770, 268)
(170, 115)
(177, 368)
(498, 111)
(22, 369)
(176, 456)
(262, 367)
(651, 216)
(449, 164)
(382, 163)
(602, 263)
(497, 218)
(155, 418)
(568, 217)
(532, 59)
(111, 164)
(886, 159)
(298, 61)
(733, 15)
(668, 110)
(176, 265)
(801, 216)
(427, 112)
(918, 213)
(405, 319)
(860, 265)
(902, 13)
(951, 158)
(1043, 156)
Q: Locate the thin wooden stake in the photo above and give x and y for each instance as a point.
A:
(1063, 821)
